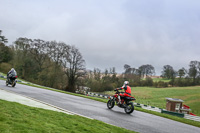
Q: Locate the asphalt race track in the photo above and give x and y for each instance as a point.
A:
(137, 121)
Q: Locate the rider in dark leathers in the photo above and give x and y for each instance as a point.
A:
(10, 73)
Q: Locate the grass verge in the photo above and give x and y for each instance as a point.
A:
(15, 117)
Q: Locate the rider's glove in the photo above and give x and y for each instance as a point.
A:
(119, 88)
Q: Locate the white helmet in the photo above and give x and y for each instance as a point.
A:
(126, 82)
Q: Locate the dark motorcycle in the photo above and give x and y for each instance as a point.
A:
(12, 79)
(125, 102)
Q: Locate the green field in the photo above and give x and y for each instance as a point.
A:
(18, 118)
(156, 96)
(160, 79)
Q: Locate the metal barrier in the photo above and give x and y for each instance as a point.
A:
(172, 113)
(191, 117)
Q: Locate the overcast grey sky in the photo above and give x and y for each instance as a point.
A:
(111, 33)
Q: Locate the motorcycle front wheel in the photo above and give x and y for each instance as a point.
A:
(6, 83)
(110, 103)
(129, 108)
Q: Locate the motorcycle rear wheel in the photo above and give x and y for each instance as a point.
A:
(110, 103)
(129, 108)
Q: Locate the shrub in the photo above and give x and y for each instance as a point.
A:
(5, 67)
(149, 81)
(160, 84)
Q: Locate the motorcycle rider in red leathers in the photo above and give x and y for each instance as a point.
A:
(127, 92)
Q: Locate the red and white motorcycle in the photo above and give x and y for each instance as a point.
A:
(124, 103)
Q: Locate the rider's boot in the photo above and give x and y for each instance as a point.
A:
(119, 100)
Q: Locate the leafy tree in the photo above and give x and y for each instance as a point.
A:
(168, 72)
(5, 51)
(182, 72)
(133, 75)
(3, 39)
(22, 59)
(146, 70)
(127, 69)
(194, 69)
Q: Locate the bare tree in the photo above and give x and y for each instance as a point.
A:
(38, 48)
(74, 67)
(56, 52)
(97, 74)
(23, 44)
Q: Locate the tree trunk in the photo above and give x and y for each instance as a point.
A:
(71, 85)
